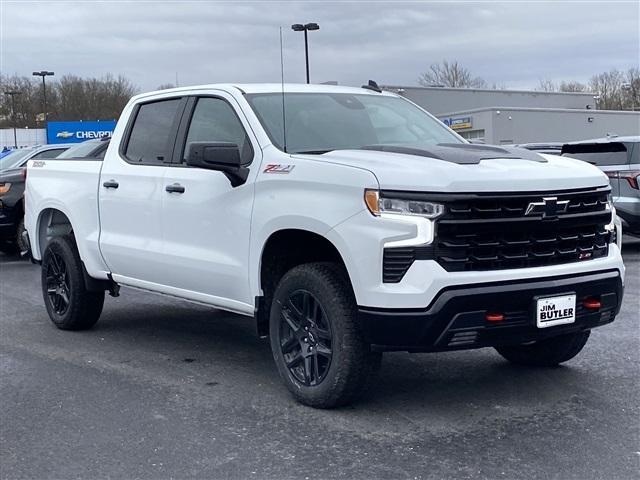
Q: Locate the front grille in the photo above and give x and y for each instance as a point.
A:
(496, 231)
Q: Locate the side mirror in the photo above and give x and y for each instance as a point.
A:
(220, 156)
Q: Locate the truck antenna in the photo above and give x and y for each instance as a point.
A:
(284, 116)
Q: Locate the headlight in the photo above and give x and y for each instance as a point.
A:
(4, 188)
(611, 226)
(401, 206)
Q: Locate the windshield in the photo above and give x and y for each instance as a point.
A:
(14, 158)
(81, 149)
(321, 122)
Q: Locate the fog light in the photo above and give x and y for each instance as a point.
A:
(592, 303)
(494, 317)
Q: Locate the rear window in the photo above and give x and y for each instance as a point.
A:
(52, 153)
(83, 149)
(600, 154)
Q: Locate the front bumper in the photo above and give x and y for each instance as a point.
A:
(455, 319)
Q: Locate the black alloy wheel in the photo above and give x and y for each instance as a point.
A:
(318, 345)
(70, 305)
(58, 285)
(306, 338)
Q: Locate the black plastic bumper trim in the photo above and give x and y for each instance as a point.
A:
(455, 319)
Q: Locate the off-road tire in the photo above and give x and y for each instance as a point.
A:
(84, 307)
(353, 365)
(549, 352)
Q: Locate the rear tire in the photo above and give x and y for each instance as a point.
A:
(69, 304)
(317, 343)
(546, 353)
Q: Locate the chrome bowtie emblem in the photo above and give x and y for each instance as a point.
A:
(549, 207)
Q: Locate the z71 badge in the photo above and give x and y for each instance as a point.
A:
(38, 164)
(278, 168)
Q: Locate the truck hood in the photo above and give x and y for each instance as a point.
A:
(451, 172)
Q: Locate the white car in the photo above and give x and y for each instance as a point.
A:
(347, 221)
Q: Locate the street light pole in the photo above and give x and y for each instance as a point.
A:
(12, 94)
(298, 27)
(43, 74)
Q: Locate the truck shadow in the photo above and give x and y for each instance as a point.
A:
(222, 348)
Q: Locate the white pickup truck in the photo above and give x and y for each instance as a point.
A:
(347, 221)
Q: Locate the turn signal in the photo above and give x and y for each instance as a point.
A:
(494, 317)
(592, 303)
(371, 198)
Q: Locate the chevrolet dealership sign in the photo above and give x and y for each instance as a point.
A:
(76, 132)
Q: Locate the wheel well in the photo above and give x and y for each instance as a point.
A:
(284, 250)
(52, 223)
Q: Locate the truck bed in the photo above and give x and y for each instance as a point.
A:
(70, 186)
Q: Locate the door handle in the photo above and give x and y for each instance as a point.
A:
(110, 184)
(175, 188)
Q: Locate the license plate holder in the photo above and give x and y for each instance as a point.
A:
(556, 310)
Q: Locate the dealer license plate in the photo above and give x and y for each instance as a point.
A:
(556, 311)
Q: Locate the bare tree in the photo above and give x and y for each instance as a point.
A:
(572, 86)
(69, 98)
(165, 86)
(547, 86)
(631, 89)
(28, 104)
(450, 74)
(608, 87)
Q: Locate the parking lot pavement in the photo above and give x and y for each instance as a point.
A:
(161, 388)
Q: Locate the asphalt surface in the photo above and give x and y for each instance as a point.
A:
(161, 388)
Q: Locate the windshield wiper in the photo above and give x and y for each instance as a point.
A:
(312, 152)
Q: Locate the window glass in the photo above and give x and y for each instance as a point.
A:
(100, 152)
(150, 140)
(214, 120)
(321, 122)
(612, 153)
(473, 135)
(635, 152)
(14, 158)
(83, 149)
(53, 153)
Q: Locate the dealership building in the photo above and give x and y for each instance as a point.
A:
(504, 117)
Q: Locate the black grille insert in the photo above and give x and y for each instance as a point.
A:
(503, 231)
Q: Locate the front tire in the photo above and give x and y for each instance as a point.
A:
(317, 344)
(548, 352)
(69, 304)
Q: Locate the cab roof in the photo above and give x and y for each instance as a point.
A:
(250, 88)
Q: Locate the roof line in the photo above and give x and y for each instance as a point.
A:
(495, 90)
(538, 109)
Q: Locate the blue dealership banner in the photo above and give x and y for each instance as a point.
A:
(76, 132)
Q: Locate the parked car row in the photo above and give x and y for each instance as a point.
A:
(12, 182)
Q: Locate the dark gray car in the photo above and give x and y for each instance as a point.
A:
(619, 158)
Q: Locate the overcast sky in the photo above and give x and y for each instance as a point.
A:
(512, 43)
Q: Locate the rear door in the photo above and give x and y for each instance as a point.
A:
(207, 223)
(131, 192)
